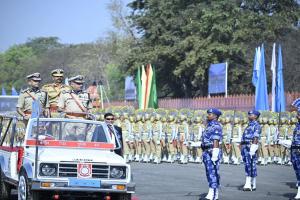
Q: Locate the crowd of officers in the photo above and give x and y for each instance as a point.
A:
(174, 135)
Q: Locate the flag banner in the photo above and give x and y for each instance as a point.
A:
(146, 87)
(280, 96)
(256, 64)
(130, 89)
(273, 70)
(261, 92)
(14, 91)
(217, 78)
(3, 91)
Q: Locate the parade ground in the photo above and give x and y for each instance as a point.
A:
(188, 182)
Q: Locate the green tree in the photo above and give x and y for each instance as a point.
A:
(183, 37)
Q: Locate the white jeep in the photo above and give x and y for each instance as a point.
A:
(57, 158)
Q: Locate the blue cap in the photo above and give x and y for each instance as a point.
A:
(214, 111)
(254, 112)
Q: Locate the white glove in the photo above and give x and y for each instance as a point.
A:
(253, 149)
(215, 154)
(285, 143)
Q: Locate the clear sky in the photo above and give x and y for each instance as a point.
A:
(73, 21)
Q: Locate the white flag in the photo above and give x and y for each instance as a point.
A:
(273, 69)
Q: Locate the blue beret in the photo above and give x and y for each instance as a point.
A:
(214, 111)
(254, 112)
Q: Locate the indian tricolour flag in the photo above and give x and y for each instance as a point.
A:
(146, 87)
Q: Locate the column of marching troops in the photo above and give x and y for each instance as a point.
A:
(174, 135)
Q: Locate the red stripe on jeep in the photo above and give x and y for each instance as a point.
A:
(62, 143)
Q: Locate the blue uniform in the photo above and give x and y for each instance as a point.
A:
(252, 131)
(295, 152)
(213, 131)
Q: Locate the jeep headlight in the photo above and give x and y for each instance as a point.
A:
(117, 172)
(48, 169)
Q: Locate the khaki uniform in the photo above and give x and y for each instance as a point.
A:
(138, 131)
(236, 139)
(263, 149)
(75, 105)
(54, 91)
(226, 144)
(283, 135)
(126, 132)
(147, 140)
(27, 96)
(183, 130)
(157, 140)
(172, 131)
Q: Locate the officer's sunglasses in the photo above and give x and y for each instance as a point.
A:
(110, 119)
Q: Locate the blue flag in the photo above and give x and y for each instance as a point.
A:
(3, 91)
(36, 109)
(14, 91)
(217, 78)
(280, 97)
(261, 92)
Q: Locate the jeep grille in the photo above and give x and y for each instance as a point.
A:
(70, 170)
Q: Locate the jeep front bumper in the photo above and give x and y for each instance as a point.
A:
(105, 186)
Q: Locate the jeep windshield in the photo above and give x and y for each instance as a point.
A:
(67, 133)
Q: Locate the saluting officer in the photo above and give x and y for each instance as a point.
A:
(211, 143)
(249, 145)
(54, 89)
(75, 103)
(33, 92)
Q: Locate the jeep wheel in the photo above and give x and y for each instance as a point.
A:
(124, 197)
(4, 188)
(24, 192)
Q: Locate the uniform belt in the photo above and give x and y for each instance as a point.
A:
(27, 112)
(206, 147)
(295, 147)
(75, 114)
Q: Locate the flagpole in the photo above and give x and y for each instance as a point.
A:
(226, 76)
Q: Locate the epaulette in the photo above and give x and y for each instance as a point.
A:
(66, 91)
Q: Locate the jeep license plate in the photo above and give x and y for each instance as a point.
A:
(75, 182)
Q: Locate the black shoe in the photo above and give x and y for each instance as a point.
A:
(247, 189)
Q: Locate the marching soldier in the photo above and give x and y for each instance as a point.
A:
(147, 137)
(172, 130)
(274, 137)
(283, 135)
(236, 139)
(265, 136)
(27, 96)
(198, 130)
(164, 138)
(249, 149)
(183, 131)
(227, 137)
(55, 89)
(138, 137)
(75, 103)
(157, 137)
(212, 154)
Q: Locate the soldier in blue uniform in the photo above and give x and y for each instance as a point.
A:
(211, 143)
(249, 144)
(295, 152)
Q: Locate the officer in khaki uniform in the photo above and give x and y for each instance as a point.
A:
(227, 122)
(27, 96)
(172, 130)
(75, 103)
(54, 90)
